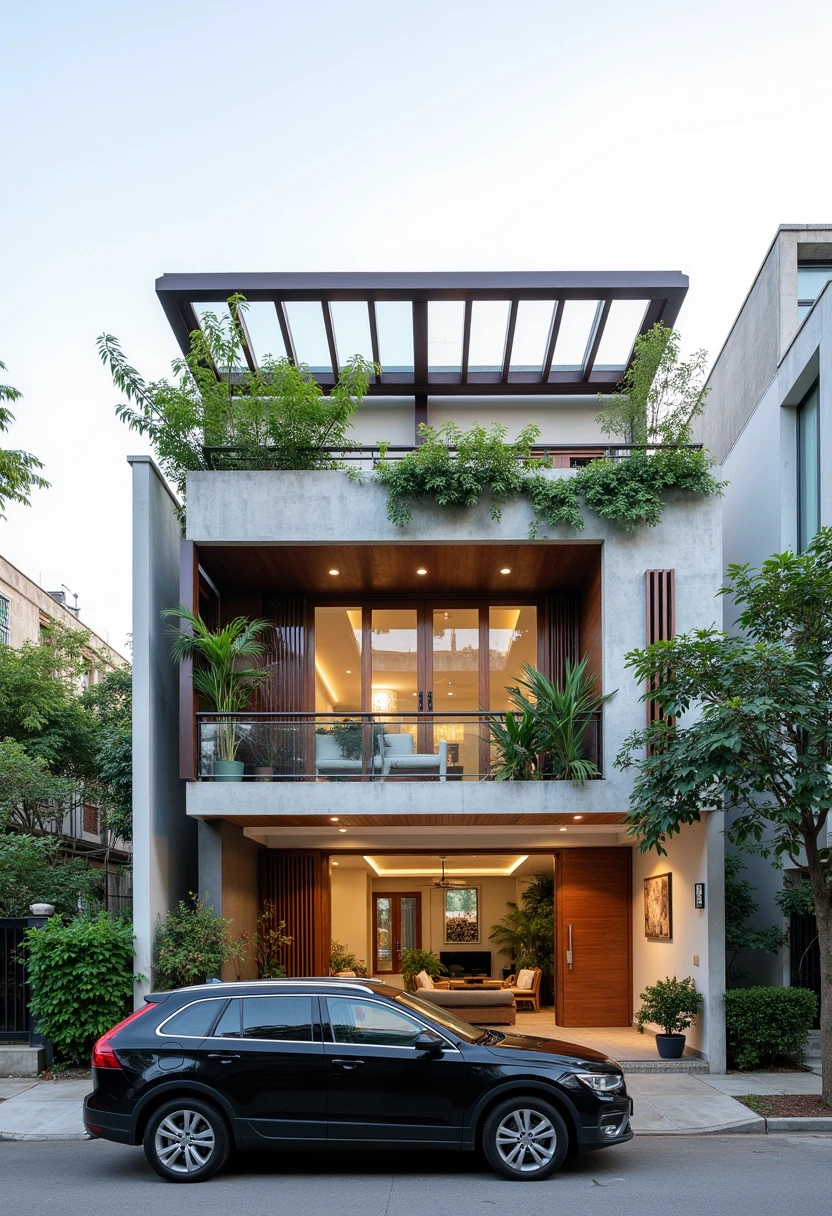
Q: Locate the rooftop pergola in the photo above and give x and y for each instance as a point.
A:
(502, 335)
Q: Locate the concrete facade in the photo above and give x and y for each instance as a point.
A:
(769, 362)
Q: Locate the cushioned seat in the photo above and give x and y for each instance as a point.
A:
(491, 1006)
(330, 761)
(400, 757)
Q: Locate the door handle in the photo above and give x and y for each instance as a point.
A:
(569, 950)
(430, 702)
(225, 1057)
(348, 1063)
(421, 702)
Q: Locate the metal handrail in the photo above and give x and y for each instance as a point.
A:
(373, 451)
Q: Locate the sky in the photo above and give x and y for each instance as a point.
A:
(469, 135)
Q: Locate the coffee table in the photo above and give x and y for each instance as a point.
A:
(478, 985)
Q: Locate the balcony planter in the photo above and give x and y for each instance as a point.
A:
(263, 772)
(670, 1046)
(228, 770)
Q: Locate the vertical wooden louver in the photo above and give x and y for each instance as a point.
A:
(661, 618)
(562, 636)
(297, 883)
(286, 655)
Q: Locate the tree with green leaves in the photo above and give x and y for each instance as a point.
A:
(273, 418)
(110, 701)
(746, 728)
(31, 798)
(34, 869)
(659, 395)
(18, 470)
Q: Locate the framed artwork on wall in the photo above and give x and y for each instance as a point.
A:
(658, 908)
(462, 916)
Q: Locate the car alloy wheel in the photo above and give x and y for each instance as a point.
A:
(186, 1141)
(525, 1138)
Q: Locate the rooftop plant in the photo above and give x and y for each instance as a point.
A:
(273, 418)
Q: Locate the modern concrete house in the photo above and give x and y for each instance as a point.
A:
(366, 758)
(768, 422)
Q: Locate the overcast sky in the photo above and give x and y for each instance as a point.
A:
(181, 136)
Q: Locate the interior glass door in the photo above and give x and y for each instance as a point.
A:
(397, 926)
(454, 686)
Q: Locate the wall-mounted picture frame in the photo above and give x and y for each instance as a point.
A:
(658, 908)
(461, 916)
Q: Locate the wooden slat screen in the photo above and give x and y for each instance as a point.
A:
(297, 883)
(661, 618)
(562, 640)
(286, 655)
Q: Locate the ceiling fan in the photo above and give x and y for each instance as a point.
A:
(444, 883)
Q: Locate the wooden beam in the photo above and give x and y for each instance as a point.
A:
(551, 341)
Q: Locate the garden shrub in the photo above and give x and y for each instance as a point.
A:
(192, 944)
(81, 975)
(767, 1024)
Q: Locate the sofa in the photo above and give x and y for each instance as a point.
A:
(488, 1007)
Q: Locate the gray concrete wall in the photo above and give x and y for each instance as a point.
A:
(164, 839)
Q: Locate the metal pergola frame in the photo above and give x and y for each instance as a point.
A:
(663, 293)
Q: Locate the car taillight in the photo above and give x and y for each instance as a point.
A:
(103, 1055)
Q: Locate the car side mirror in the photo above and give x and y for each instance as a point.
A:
(430, 1042)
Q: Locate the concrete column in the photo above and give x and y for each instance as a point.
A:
(164, 840)
(209, 847)
(715, 908)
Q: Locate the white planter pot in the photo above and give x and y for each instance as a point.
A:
(41, 909)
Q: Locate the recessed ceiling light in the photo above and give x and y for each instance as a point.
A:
(450, 694)
(577, 816)
(335, 863)
(421, 570)
(349, 671)
(506, 570)
(333, 818)
(562, 829)
(334, 571)
(344, 829)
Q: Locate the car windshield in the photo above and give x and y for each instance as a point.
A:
(444, 1017)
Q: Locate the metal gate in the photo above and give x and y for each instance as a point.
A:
(805, 955)
(14, 993)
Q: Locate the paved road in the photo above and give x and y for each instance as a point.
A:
(741, 1175)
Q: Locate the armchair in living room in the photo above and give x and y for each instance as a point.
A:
(525, 986)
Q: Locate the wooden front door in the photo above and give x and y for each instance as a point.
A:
(593, 937)
(397, 926)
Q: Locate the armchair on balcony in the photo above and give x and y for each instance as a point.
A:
(400, 757)
(330, 760)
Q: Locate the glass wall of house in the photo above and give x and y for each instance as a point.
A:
(808, 468)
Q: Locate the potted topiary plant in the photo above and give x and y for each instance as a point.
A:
(414, 961)
(223, 687)
(672, 1004)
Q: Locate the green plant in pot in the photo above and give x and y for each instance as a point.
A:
(414, 961)
(223, 685)
(672, 1004)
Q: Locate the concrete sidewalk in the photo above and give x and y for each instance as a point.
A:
(674, 1104)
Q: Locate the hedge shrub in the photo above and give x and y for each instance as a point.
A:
(81, 974)
(767, 1024)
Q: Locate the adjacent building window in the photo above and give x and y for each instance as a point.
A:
(811, 280)
(90, 819)
(808, 468)
(5, 621)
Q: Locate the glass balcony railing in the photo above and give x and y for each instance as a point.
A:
(364, 747)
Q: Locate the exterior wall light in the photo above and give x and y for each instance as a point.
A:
(421, 570)
(699, 895)
(506, 570)
(333, 571)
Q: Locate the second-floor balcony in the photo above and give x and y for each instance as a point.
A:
(370, 747)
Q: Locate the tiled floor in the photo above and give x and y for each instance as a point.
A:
(620, 1042)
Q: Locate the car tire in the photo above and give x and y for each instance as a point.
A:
(525, 1139)
(186, 1140)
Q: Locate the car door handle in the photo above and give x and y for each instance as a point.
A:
(224, 1057)
(348, 1063)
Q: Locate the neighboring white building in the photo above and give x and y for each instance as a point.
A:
(26, 610)
(409, 636)
(768, 422)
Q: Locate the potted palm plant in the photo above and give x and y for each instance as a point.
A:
(414, 961)
(223, 685)
(562, 716)
(672, 1004)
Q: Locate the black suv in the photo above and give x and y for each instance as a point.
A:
(342, 1064)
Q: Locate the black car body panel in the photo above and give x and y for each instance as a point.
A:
(336, 1065)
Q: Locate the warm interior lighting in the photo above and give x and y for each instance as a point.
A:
(335, 571)
(344, 829)
(506, 570)
(333, 818)
(577, 816)
(463, 865)
(335, 863)
(421, 570)
(326, 684)
(384, 700)
(561, 829)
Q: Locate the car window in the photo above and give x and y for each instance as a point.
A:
(357, 1021)
(228, 1027)
(194, 1021)
(441, 1016)
(278, 1017)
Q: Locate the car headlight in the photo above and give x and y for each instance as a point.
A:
(602, 1082)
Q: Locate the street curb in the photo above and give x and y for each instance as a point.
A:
(44, 1136)
(786, 1124)
(757, 1124)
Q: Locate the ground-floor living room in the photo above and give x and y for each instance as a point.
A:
(359, 894)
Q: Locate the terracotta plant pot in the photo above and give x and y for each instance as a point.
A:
(260, 774)
(670, 1046)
